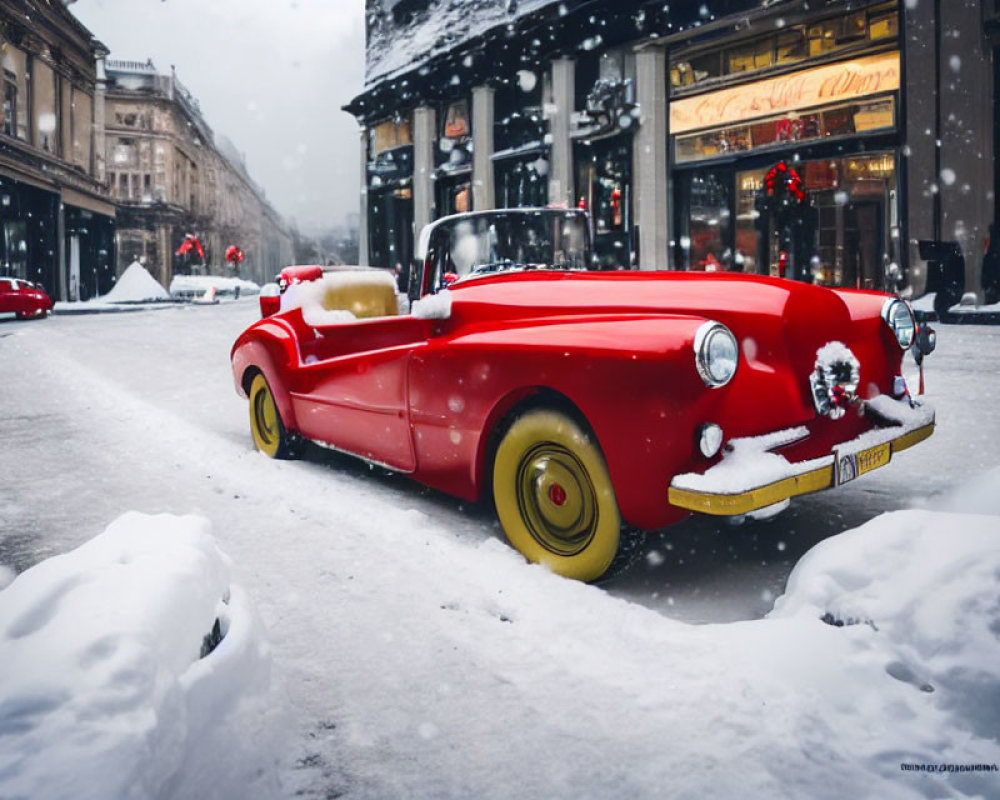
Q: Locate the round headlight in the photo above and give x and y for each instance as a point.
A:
(899, 318)
(716, 354)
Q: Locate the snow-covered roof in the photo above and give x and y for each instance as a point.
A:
(437, 29)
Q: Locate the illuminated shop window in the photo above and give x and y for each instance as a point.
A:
(779, 131)
(856, 30)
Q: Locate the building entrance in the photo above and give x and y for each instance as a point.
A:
(786, 220)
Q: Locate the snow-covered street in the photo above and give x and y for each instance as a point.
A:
(418, 656)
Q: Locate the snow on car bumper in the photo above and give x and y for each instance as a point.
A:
(751, 476)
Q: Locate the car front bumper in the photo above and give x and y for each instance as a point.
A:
(751, 477)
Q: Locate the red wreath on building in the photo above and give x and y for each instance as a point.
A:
(191, 243)
(781, 177)
(234, 255)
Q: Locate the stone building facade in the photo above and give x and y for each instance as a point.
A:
(827, 141)
(171, 176)
(57, 221)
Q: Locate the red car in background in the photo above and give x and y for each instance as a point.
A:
(589, 405)
(23, 298)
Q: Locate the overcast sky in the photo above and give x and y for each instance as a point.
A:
(271, 75)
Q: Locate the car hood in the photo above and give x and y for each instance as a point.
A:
(744, 302)
(780, 324)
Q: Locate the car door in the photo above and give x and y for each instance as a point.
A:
(350, 391)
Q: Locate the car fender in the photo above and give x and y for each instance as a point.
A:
(270, 347)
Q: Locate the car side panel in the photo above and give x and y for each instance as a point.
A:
(460, 386)
(357, 403)
(343, 385)
(349, 387)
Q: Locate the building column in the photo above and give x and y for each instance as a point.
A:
(561, 151)
(650, 158)
(99, 138)
(66, 290)
(166, 255)
(482, 148)
(363, 219)
(424, 127)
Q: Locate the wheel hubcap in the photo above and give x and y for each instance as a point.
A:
(557, 499)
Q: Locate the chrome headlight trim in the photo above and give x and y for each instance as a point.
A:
(716, 354)
(897, 315)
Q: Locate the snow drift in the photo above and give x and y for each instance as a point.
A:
(136, 285)
(111, 688)
(877, 674)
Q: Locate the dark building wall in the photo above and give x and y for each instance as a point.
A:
(949, 146)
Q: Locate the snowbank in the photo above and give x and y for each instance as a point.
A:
(107, 689)
(136, 285)
(191, 286)
(876, 674)
(913, 598)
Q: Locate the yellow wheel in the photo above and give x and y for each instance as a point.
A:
(554, 496)
(269, 432)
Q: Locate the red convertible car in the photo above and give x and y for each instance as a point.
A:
(23, 298)
(589, 405)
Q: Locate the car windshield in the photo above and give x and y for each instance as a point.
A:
(552, 240)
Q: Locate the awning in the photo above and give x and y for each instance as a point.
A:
(72, 197)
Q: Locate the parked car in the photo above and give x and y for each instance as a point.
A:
(589, 405)
(23, 298)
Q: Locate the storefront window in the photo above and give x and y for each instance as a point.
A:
(454, 195)
(706, 243)
(389, 134)
(520, 121)
(749, 186)
(884, 26)
(755, 55)
(696, 69)
(521, 182)
(454, 148)
(790, 45)
(390, 195)
(604, 181)
(842, 120)
(837, 234)
(391, 229)
(15, 249)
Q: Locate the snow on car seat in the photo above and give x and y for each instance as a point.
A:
(343, 295)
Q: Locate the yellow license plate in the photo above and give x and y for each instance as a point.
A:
(850, 466)
(873, 458)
